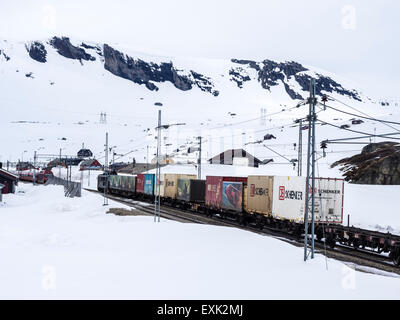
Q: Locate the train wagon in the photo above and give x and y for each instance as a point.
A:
(145, 184)
(159, 185)
(122, 184)
(284, 198)
(140, 183)
(39, 176)
(171, 184)
(214, 190)
(191, 190)
(149, 184)
(260, 194)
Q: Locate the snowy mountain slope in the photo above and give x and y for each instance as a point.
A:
(53, 93)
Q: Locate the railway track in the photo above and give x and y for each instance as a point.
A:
(360, 259)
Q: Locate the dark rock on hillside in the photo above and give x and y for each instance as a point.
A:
(37, 51)
(239, 76)
(271, 73)
(4, 55)
(149, 73)
(142, 72)
(66, 49)
(204, 83)
(97, 48)
(378, 163)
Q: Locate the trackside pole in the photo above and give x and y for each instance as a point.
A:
(310, 184)
(106, 172)
(157, 199)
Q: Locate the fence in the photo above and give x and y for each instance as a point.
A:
(71, 189)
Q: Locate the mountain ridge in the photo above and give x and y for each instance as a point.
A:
(291, 75)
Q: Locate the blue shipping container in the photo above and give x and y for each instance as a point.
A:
(149, 184)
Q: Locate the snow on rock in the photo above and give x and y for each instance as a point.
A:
(85, 253)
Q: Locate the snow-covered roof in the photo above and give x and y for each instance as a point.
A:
(8, 174)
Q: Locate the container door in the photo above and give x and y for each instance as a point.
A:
(232, 196)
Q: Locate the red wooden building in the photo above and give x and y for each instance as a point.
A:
(9, 180)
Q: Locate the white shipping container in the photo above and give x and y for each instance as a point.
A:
(289, 199)
(329, 194)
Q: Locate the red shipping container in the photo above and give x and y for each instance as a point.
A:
(140, 183)
(214, 189)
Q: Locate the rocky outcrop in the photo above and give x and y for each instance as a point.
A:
(378, 163)
(37, 51)
(239, 75)
(66, 49)
(6, 57)
(204, 83)
(271, 73)
(149, 73)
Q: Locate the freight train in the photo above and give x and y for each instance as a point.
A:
(276, 202)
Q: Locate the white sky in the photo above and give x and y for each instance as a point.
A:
(356, 39)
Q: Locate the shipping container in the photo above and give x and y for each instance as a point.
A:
(259, 194)
(149, 184)
(214, 189)
(171, 183)
(122, 182)
(191, 190)
(140, 183)
(161, 185)
(232, 196)
(329, 197)
(289, 198)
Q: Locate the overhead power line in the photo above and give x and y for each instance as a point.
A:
(368, 117)
(366, 134)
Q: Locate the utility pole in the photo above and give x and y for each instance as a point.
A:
(199, 161)
(310, 184)
(157, 198)
(106, 171)
(147, 159)
(300, 150)
(59, 166)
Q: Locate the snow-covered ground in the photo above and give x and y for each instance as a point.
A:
(54, 247)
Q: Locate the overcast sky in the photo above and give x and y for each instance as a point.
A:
(356, 39)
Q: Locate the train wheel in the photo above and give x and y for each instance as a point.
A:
(356, 244)
(395, 255)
